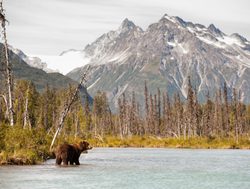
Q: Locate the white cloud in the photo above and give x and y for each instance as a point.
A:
(65, 63)
(48, 27)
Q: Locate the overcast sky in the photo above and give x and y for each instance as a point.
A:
(48, 27)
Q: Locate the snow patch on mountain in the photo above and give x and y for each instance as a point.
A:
(171, 44)
(185, 51)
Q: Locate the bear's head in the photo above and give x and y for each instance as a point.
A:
(84, 146)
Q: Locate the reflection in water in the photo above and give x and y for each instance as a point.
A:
(137, 168)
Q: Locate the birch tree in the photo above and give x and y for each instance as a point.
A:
(8, 70)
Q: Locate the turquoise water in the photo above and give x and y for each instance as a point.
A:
(137, 168)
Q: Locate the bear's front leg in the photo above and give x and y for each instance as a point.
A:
(77, 162)
(58, 161)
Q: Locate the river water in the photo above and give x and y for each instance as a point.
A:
(139, 168)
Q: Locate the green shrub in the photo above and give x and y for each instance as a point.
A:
(29, 145)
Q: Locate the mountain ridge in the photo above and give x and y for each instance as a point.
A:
(165, 55)
(24, 71)
(35, 62)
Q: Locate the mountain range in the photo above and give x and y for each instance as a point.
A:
(165, 55)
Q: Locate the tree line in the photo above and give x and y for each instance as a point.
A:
(223, 116)
(159, 116)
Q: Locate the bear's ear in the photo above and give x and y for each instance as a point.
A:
(84, 143)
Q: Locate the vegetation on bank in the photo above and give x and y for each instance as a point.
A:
(31, 146)
(20, 146)
(158, 142)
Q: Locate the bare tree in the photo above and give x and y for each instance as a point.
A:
(190, 108)
(146, 128)
(158, 111)
(236, 114)
(26, 121)
(9, 78)
(226, 113)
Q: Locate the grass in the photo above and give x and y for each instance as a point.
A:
(158, 142)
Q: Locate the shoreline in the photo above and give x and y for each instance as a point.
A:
(178, 143)
(22, 162)
(137, 142)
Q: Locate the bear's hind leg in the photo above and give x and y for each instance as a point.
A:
(65, 162)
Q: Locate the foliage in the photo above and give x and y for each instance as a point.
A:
(28, 145)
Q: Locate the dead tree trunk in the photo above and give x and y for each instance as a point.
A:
(26, 121)
(6, 115)
(67, 107)
(8, 67)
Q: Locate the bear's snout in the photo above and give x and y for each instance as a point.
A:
(90, 147)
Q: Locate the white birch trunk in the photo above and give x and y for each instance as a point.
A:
(8, 67)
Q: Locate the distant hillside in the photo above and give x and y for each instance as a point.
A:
(39, 77)
(32, 61)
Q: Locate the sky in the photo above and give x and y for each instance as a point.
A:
(48, 27)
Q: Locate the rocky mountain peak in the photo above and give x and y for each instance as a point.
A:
(239, 37)
(174, 20)
(215, 30)
(168, 18)
(126, 25)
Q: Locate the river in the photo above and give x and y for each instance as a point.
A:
(139, 168)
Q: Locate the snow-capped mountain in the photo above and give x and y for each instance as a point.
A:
(32, 61)
(165, 55)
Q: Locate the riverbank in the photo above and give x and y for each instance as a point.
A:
(39, 154)
(24, 157)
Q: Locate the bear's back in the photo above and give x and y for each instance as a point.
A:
(66, 149)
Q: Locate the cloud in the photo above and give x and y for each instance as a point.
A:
(49, 27)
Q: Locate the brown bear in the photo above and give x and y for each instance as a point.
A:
(68, 153)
